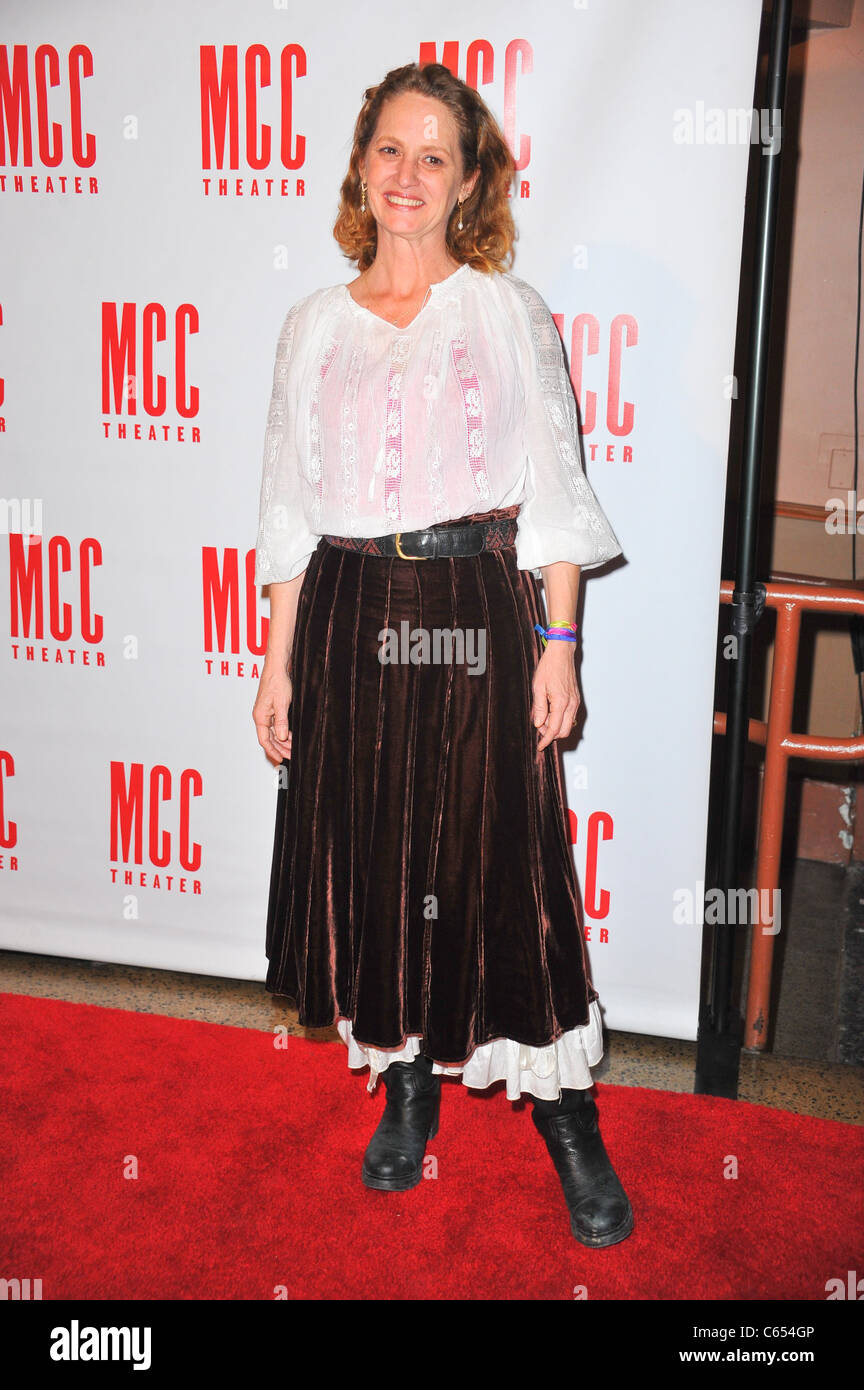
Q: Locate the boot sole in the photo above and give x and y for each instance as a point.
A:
(407, 1181)
(392, 1184)
(611, 1238)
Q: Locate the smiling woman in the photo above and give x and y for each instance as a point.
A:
(422, 468)
(411, 182)
(446, 136)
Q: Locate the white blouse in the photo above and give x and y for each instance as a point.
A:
(374, 429)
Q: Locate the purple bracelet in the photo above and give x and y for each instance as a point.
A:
(555, 634)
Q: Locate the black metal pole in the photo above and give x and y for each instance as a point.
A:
(719, 1039)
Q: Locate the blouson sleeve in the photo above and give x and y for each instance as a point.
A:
(560, 518)
(285, 543)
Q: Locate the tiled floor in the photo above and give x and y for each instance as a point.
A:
(806, 1086)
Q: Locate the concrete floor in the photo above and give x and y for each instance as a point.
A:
(805, 1085)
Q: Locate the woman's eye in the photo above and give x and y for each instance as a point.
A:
(391, 149)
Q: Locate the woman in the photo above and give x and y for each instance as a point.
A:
(422, 470)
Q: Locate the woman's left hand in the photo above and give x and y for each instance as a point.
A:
(556, 693)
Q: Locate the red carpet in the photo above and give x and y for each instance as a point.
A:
(248, 1161)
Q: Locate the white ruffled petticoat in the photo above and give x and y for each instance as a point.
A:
(542, 1071)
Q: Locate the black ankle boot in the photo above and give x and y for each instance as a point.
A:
(393, 1162)
(600, 1213)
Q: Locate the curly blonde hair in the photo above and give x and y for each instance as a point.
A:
(488, 234)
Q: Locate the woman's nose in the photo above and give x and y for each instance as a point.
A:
(408, 170)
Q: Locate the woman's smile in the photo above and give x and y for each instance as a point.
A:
(398, 200)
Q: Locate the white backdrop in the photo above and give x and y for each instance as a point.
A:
(631, 234)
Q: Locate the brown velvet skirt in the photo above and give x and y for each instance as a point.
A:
(422, 877)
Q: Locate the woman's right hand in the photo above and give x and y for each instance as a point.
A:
(270, 713)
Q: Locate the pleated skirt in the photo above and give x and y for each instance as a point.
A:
(423, 894)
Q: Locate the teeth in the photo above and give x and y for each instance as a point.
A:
(404, 202)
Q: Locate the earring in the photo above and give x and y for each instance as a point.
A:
(362, 196)
(460, 214)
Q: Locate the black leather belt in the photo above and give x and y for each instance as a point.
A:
(435, 542)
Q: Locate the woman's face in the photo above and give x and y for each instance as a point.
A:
(413, 168)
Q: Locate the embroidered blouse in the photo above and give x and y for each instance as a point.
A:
(374, 429)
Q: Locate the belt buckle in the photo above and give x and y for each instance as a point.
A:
(400, 552)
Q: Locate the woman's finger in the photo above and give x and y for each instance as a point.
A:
(559, 721)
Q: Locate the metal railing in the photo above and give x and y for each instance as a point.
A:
(790, 596)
